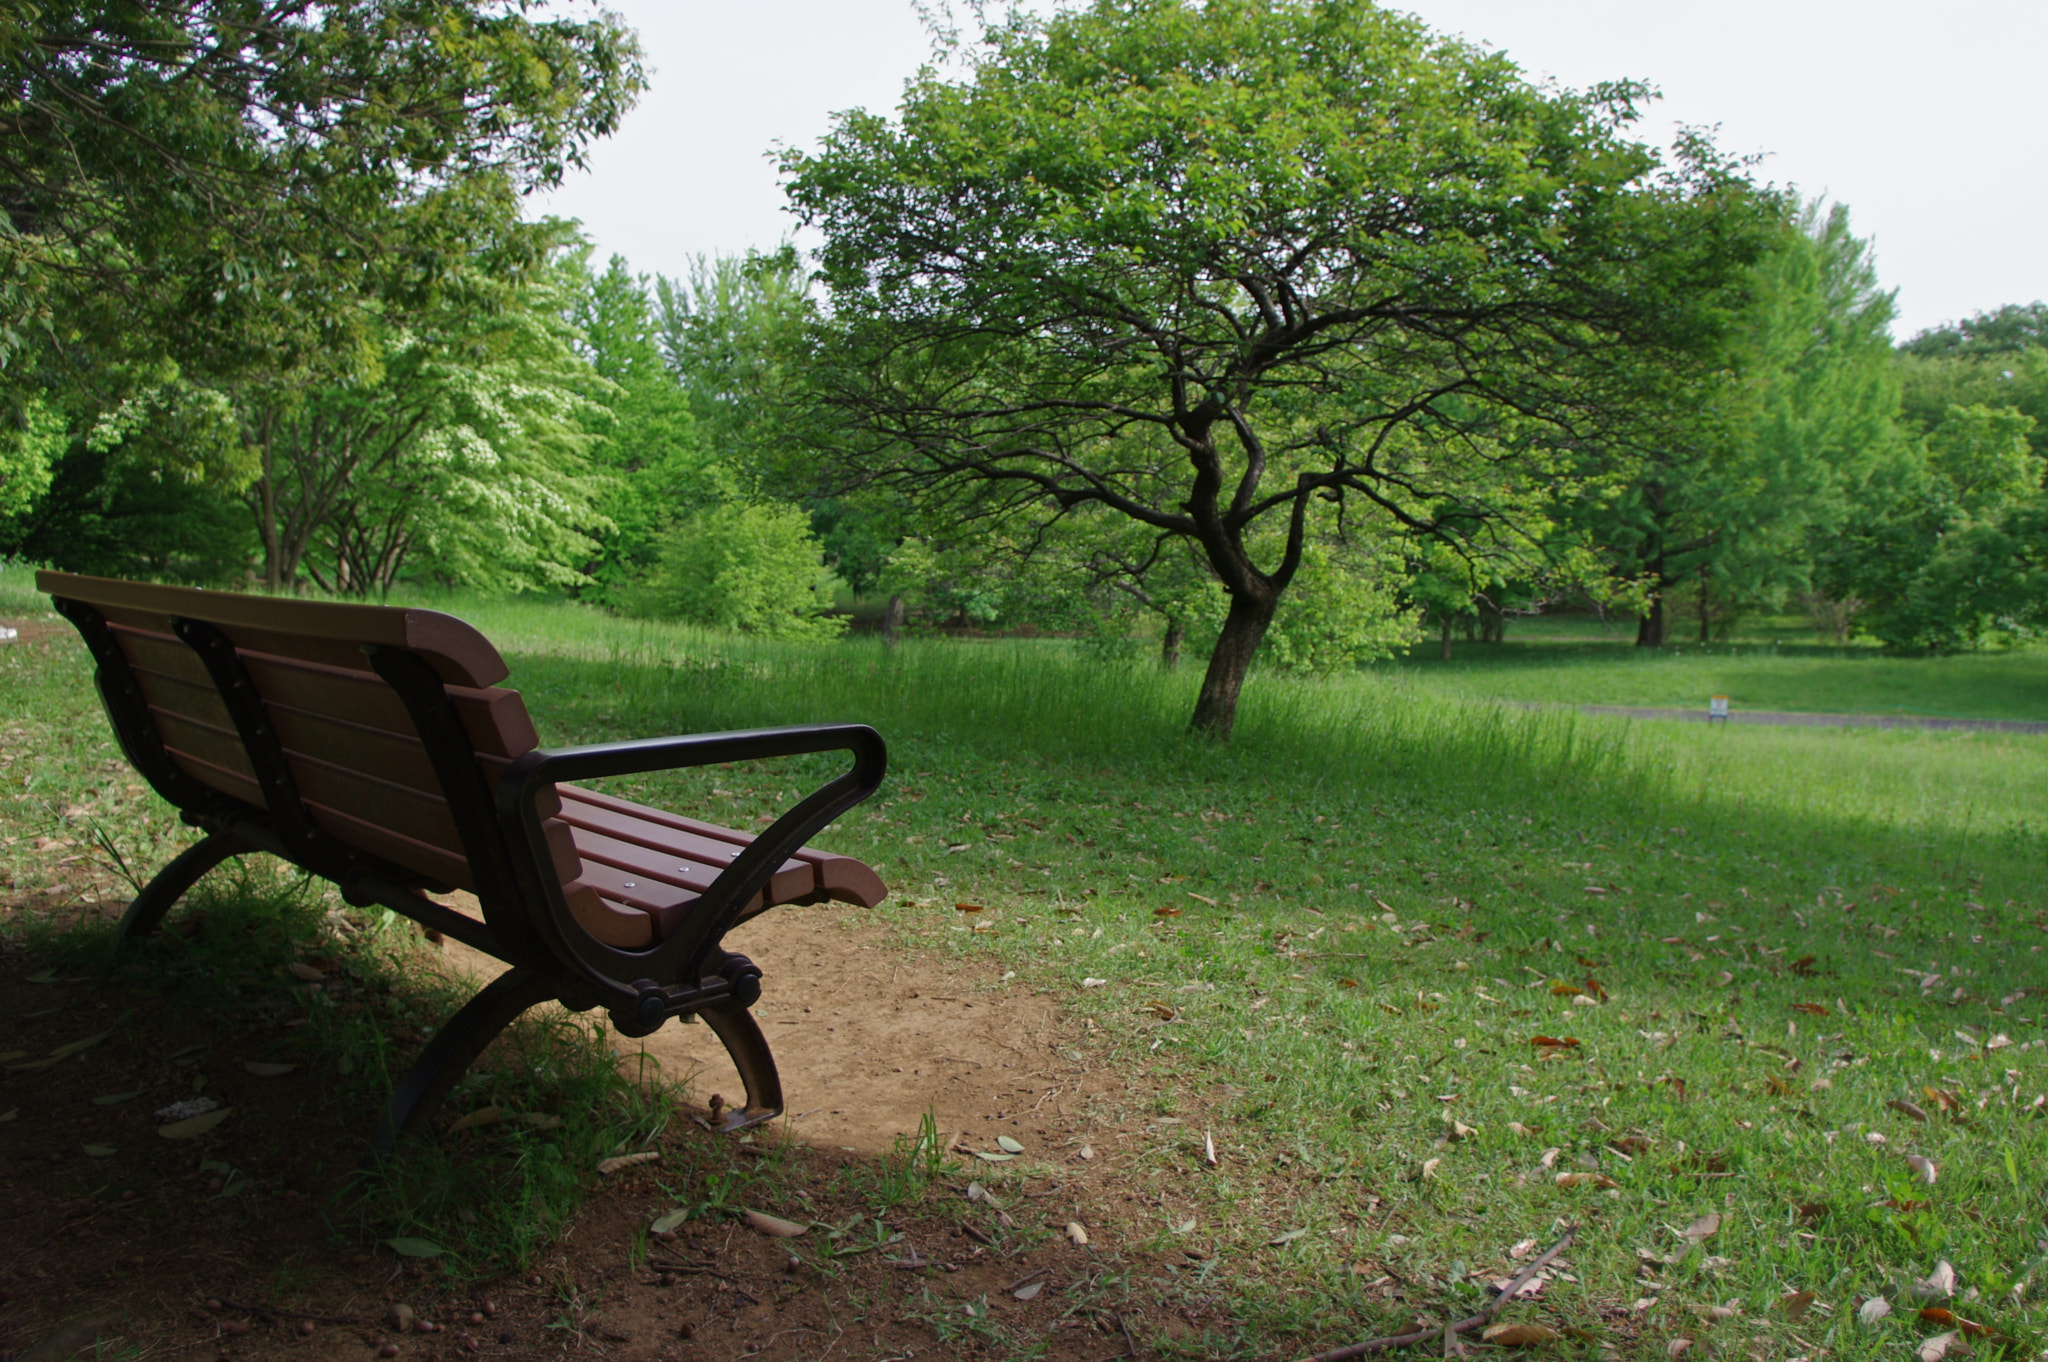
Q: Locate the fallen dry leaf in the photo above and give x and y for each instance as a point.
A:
(1429, 1167)
(1941, 1318)
(1810, 1009)
(1936, 1348)
(1585, 1180)
(482, 1116)
(1077, 1235)
(1905, 1108)
(1517, 1128)
(192, 1127)
(1555, 1042)
(1797, 1304)
(624, 1161)
(1938, 1285)
(968, 907)
(1927, 1168)
(1165, 911)
(775, 1225)
(1706, 1227)
(1029, 1290)
(1289, 1237)
(1873, 1310)
(1518, 1335)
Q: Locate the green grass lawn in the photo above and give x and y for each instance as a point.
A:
(1779, 962)
(1772, 666)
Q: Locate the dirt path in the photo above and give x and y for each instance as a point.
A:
(868, 1040)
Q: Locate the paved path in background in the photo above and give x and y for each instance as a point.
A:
(1787, 719)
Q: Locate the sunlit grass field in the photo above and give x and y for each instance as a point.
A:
(1771, 665)
(1438, 975)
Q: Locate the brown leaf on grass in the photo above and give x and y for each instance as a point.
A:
(1592, 989)
(1946, 1319)
(1347, 983)
(1561, 989)
(1795, 1305)
(619, 1163)
(1076, 1234)
(1811, 1211)
(1631, 1145)
(775, 1225)
(1525, 1132)
(1948, 1103)
(1776, 1085)
(1724, 979)
(1518, 1335)
(1905, 1108)
(1927, 1168)
(306, 972)
(1804, 966)
(1938, 1285)
(1873, 1310)
(1706, 1227)
(192, 1127)
(1162, 1011)
(1810, 1009)
(1555, 1042)
(968, 907)
(1585, 1180)
(1165, 910)
(1937, 1348)
(482, 1116)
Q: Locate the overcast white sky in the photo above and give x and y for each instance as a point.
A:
(1923, 118)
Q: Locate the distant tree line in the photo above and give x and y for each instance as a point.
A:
(1263, 330)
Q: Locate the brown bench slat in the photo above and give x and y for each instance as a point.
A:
(437, 864)
(375, 753)
(495, 719)
(322, 631)
(206, 742)
(678, 857)
(175, 696)
(838, 877)
(162, 653)
(614, 924)
(232, 783)
(411, 813)
(665, 905)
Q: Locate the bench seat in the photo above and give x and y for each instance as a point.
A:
(648, 867)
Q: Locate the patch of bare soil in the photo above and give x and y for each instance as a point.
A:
(119, 1242)
(870, 1040)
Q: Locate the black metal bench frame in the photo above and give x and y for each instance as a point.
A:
(527, 922)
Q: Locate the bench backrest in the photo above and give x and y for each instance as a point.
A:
(363, 773)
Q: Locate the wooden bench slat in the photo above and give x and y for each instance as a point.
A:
(495, 719)
(216, 746)
(437, 864)
(232, 783)
(637, 843)
(612, 923)
(321, 631)
(838, 877)
(176, 696)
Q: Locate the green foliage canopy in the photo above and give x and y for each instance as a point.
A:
(1251, 263)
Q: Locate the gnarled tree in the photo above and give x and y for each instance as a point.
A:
(1242, 269)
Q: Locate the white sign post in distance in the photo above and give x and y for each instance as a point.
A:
(1717, 708)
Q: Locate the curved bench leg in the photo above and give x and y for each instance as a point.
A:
(453, 1049)
(146, 913)
(741, 1035)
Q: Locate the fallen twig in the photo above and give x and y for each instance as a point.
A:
(1029, 1276)
(1463, 1326)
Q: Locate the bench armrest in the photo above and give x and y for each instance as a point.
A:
(679, 957)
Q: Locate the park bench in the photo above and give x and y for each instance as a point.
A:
(373, 746)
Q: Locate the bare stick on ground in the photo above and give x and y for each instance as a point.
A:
(1463, 1326)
